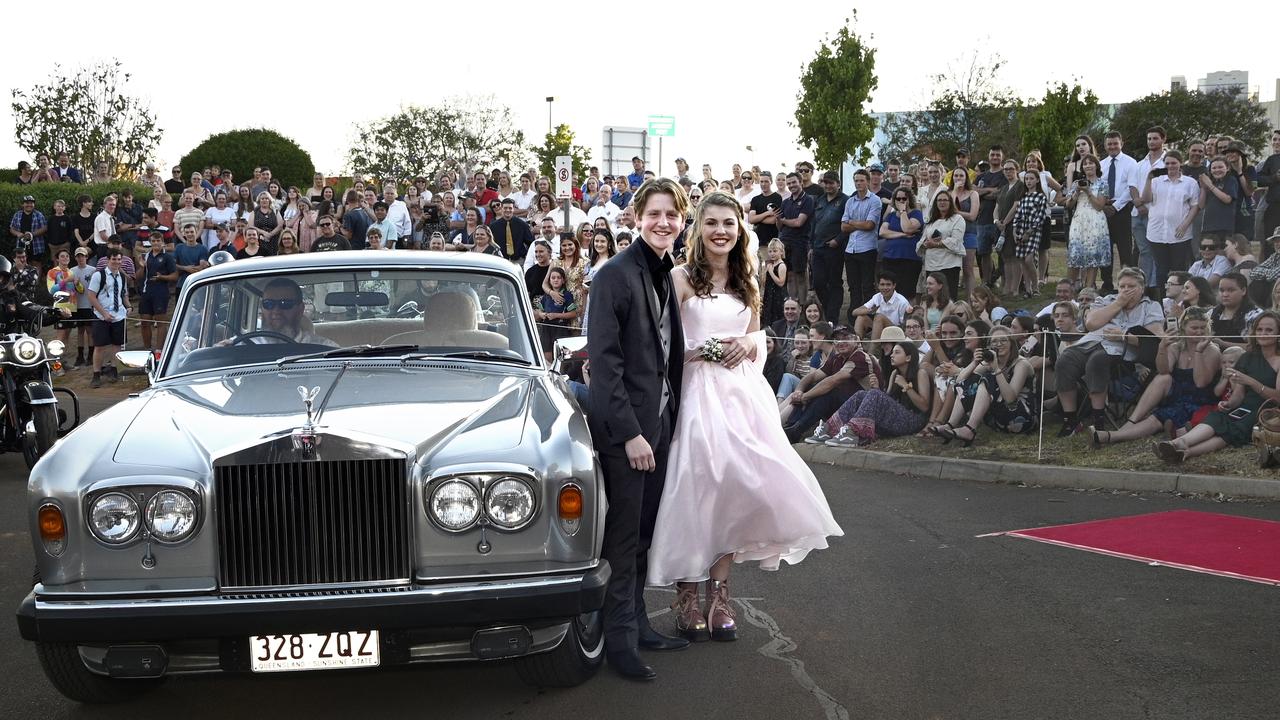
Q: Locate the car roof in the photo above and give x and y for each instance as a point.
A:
(363, 258)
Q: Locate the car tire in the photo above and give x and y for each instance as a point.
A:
(574, 661)
(66, 671)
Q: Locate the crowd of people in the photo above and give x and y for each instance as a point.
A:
(883, 306)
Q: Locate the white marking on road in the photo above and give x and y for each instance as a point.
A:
(779, 648)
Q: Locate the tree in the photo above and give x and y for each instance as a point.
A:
(835, 86)
(1192, 115)
(969, 110)
(1052, 126)
(87, 114)
(461, 134)
(559, 143)
(240, 151)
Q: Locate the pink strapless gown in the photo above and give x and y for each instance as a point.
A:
(734, 484)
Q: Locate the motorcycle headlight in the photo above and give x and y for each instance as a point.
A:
(509, 503)
(454, 505)
(26, 350)
(171, 515)
(56, 347)
(114, 518)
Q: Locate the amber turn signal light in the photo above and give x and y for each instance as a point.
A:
(52, 525)
(570, 502)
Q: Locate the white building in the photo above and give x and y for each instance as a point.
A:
(1224, 79)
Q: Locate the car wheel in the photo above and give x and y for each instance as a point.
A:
(64, 668)
(573, 662)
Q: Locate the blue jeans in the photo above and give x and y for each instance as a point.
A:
(788, 385)
(1146, 260)
(987, 236)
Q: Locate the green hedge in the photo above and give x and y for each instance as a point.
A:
(240, 151)
(45, 193)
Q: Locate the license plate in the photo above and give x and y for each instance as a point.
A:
(314, 651)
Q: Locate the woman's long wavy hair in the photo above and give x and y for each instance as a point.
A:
(742, 276)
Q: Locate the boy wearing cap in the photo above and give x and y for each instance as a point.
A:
(27, 229)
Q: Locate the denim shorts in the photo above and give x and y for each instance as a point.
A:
(986, 238)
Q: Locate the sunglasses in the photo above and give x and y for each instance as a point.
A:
(1208, 247)
(326, 224)
(281, 304)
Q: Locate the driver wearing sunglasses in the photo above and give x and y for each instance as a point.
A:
(280, 312)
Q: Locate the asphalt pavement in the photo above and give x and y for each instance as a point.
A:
(909, 615)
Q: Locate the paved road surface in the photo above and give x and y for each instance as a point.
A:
(908, 616)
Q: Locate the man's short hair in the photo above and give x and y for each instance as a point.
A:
(284, 282)
(380, 205)
(887, 275)
(264, 168)
(862, 172)
(1180, 276)
(795, 175)
(1157, 130)
(149, 211)
(997, 147)
(114, 252)
(1135, 273)
(1113, 134)
(803, 163)
(1175, 155)
(661, 186)
(508, 201)
(824, 328)
(114, 239)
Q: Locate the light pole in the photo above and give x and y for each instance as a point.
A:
(550, 100)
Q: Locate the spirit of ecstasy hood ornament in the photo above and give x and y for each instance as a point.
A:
(305, 438)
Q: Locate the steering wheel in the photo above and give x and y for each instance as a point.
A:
(240, 339)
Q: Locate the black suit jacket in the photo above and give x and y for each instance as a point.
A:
(521, 235)
(625, 349)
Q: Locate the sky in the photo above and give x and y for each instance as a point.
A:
(729, 75)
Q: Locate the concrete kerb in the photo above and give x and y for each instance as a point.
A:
(928, 466)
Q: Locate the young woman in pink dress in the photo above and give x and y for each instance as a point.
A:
(735, 490)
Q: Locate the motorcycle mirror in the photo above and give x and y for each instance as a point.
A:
(61, 296)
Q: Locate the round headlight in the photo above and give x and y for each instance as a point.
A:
(455, 505)
(26, 350)
(171, 515)
(55, 347)
(509, 503)
(114, 518)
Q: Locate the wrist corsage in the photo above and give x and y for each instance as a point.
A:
(712, 350)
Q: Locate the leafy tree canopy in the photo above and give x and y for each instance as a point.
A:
(836, 86)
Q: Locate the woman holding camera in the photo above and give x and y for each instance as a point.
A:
(941, 246)
(1004, 396)
(1088, 242)
(1253, 382)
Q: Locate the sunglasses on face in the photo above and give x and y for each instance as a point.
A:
(326, 224)
(281, 304)
(1208, 247)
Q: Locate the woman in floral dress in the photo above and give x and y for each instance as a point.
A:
(1088, 243)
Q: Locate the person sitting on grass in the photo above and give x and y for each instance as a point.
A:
(947, 357)
(1113, 327)
(986, 304)
(1221, 390)
(821, 392)
(1187, 364)
(885, 308)
(937, 299)
(1005, 395)
(1061, 332)
(1253, 381)
(873, 413)
(965, 383)
(1235, 312)
(796, 365)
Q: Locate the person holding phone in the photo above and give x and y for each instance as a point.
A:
(1253, 380)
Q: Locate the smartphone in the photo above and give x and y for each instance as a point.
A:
(1159, 172)
(1170, 324)
(1239, 413)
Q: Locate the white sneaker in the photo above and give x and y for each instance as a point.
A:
(845, 438)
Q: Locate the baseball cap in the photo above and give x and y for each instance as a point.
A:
(82, 251)
(875, 167)
(28, 198)
(635, 158)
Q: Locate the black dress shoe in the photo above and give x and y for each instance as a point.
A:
(651, 639)
(628, 664)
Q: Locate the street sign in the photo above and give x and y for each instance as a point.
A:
(564, 177)
(662, 125)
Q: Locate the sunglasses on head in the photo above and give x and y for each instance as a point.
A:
(281, 304)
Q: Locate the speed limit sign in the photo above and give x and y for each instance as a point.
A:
(564, 177)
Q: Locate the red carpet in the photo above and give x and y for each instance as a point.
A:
(1226, 545)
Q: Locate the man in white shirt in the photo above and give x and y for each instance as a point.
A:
(109, 296)
(603, 207)
(884, 309)
(397, 213)
(524, 196)
(1154, 160)
(1116, 170)
(1212, 264)
(104, 226)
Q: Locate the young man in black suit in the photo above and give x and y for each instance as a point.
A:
(636, 347)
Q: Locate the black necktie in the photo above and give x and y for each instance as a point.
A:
(115, 283)
(1111, 179)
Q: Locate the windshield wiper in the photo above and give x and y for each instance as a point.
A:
(467, 354)
(349, 351)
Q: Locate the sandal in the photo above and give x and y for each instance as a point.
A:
(965, 441)
(1168, 452)
(1095, 438)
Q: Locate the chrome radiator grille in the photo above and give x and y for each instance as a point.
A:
(310, 523)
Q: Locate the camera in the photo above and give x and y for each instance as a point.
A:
(1082, 184)
(987, 355)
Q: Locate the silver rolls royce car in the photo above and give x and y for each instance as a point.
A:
(344, 460)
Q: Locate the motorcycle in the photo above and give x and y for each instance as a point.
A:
(31, 419)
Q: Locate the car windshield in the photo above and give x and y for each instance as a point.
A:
(413, 313)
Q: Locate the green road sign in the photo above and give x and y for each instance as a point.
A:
(662, 126)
